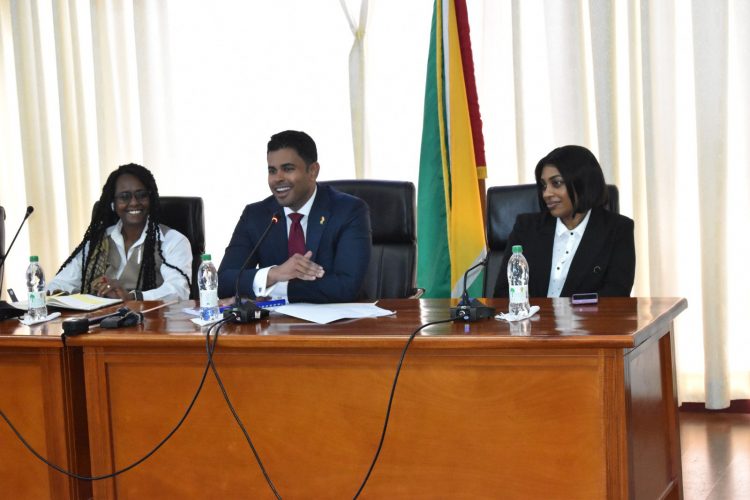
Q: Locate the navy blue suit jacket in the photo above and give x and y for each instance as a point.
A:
(604, 261)
(338, 234)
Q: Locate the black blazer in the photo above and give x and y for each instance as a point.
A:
(338, 233)
(604, 261)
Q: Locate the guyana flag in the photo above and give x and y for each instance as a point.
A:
(452, 167)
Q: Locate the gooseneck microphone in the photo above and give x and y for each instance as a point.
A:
(29, 211)
(248, 311)
(471, 309)
(6, 310)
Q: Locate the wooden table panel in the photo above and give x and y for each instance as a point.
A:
(316, 421)
(36, 395)
(655, 450)
(23, 403)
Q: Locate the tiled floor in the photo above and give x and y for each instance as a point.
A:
(715, 455)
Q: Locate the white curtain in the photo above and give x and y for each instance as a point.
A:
(357, 86)
(658, 89)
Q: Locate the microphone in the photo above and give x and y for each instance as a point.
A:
(122, 317)
(471, 309)
(247, 312)
(6, 310)
(29, 211)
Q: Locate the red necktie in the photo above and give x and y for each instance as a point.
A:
(296, 235)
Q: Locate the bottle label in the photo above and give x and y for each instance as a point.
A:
(518, 293)
(209, 298)
(36, 300)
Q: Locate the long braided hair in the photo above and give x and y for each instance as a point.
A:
(95, 239)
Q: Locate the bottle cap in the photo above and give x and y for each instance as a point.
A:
(206, 256)
(517, 249)
(34, 258)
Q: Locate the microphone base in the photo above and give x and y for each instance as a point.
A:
(473, 311)
(246, 312)
(75, 326)
(7, 311)
(122, 317)
(130, 318)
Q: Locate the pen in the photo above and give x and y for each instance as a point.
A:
(270, 303)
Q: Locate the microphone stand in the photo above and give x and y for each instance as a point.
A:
(469, 309)
(248, 311)
(7, 310)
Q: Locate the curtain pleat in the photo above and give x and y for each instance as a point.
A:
(710, 43)
(357, 87)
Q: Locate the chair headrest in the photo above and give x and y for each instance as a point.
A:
(2, 230)
(185, 214)
(504, 203)
(389, 201)
(182, 213)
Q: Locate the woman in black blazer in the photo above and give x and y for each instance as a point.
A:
(575, 245)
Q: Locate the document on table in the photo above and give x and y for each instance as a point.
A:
(326, 313)
(76, 302)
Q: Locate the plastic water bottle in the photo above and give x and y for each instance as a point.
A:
(208, 285)
(518, 282)
(37, 288)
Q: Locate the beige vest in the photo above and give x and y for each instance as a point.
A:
(129, 277)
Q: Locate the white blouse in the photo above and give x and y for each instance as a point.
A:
(566, 244)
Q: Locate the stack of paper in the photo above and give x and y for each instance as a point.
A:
(326, 313)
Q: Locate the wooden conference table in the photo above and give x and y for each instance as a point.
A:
(578, 402)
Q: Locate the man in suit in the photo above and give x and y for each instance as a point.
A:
(320, 249)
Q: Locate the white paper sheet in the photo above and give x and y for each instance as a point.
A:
(326, 313)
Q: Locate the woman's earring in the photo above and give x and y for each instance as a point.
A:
(112, 206)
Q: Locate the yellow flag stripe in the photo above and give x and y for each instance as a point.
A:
(466, 237)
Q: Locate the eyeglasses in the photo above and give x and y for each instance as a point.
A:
(126, 196)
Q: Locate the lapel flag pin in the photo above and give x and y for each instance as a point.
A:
(322, 220)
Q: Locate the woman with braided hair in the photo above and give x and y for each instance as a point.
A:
(125, 252)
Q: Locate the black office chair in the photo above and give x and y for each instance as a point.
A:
(2, 245)
(504, 204)
(184, 214)
(6, 310)
(392, 269)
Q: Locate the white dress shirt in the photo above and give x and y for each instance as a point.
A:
(175, 248)
(566, 244)
(279, 289)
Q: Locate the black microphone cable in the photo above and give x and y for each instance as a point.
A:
(132, 465)
(210, 351)
(390, 399)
